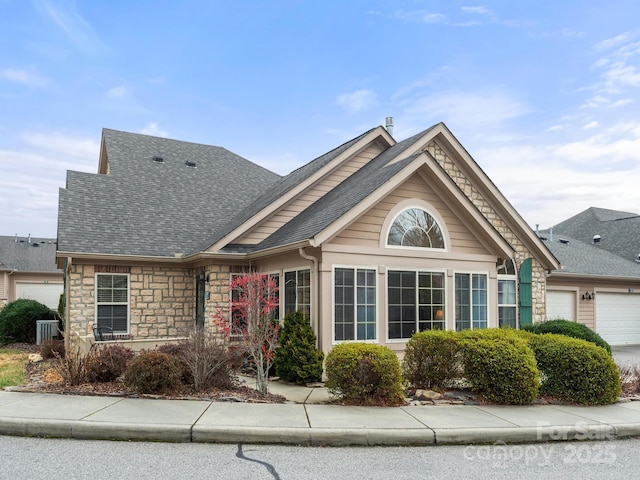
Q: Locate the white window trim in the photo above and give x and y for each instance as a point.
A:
(513, 278)
(447, 307)
(407, 205)
(490, 295)
(333, 304)
(95, 314)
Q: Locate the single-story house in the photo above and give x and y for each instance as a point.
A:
(28, 270)
(373, 240)
(599, 282)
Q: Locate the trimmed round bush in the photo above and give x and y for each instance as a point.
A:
(364, 374)
(501, 366)
(107, 363)
(576, 370)
(153, 372)
(297, 359)
(18, 320)
(432, 359)
(570, 329)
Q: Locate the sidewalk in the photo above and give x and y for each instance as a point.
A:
(310, 422)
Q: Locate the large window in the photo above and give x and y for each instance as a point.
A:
(415, 302)
(297, 292)
(112, 302)
(471, 301)
(415, 228)
(354, 304)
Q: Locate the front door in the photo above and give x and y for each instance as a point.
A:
(200, 297)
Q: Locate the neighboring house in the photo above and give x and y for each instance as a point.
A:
(374, 240)
(28, 270)
(599, 283)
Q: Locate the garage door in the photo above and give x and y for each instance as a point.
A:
(618, 317)
(46, 293)
(561, 304)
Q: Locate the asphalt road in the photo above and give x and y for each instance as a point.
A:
(52, 459)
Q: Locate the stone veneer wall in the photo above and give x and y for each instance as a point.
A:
(162, 300)
(218, 289)
(538, 274)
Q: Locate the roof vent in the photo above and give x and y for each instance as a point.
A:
(564, 241)
(596, 239)
(190, 164)
(158, 159)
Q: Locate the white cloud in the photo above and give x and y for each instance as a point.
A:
(590, 125)
(121, 91)
(152, 128)
(27, 77)
(610, 43)
(477, 10)
(464, 111)
(67, 18)
(31, 175)
(357, 101)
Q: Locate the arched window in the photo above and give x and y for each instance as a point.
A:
(415, 227)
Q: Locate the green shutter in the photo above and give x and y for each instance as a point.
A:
(526, 297)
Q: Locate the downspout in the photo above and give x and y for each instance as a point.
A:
(67, 307)
(314, 292)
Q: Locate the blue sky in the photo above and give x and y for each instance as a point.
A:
(543, 94)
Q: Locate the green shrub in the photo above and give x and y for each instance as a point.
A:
(364, 374)
(501, 366)
(107, 363)
(432, 359)
(18, 320)
(297, 359)
(570, 329)
(153, 372)
(576, 370)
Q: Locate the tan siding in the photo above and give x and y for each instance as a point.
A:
(309, 196)
(366, 231)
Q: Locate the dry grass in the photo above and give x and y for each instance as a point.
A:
(12, 364)
(630, 376)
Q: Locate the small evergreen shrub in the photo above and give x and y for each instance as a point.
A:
(364, 374)
(501, 366)
(570, 329)
(107, 363)
(175, 350)
(51, 349)
(576, 370)
(153, 372)
(18, 320)
(297, 359)
(432, 359)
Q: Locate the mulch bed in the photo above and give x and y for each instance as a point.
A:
(43, 378)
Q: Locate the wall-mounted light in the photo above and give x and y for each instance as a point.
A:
(588, 296)
(203, 277)
(439, 314)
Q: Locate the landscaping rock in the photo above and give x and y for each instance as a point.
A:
(427, 395)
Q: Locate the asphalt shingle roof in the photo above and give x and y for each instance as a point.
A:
(279, 189)
(37, 255)
(343, 197)
(588, 259)
(619, 231)
(158, 209)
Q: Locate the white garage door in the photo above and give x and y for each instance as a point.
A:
(561, 304)
(45, 293)
(618, 317)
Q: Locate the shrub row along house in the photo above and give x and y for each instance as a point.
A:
(374, 240)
